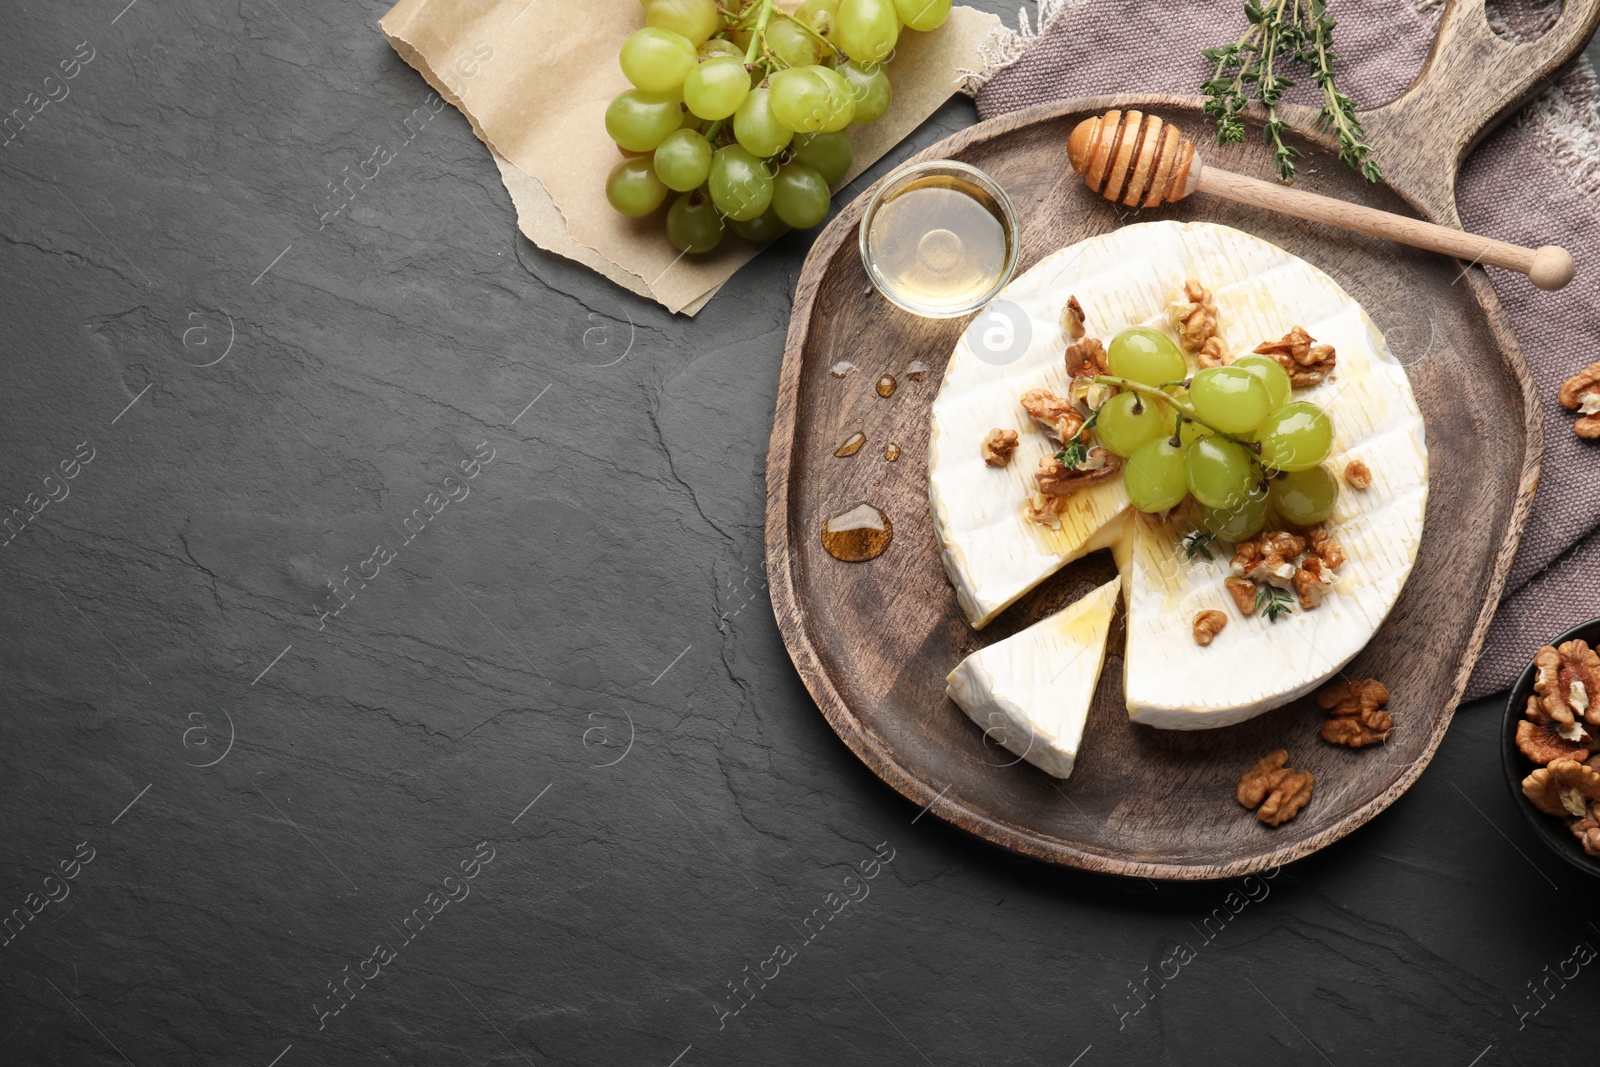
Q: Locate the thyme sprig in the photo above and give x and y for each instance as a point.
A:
(1282, 32)
(1273, 603)
(1197, 544)
(1075, 453)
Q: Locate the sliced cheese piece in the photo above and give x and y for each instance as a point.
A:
(1031, 692)
(994, 553)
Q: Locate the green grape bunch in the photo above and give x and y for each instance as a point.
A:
(738, 111)
(1231, 437)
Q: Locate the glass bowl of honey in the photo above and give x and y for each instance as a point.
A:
(939, 239)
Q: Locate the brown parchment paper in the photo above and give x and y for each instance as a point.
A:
(534, 78)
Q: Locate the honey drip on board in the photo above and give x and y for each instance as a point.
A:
(857, 535)
(851, 445)
(916, 370)
(887, 385)
(841, 368)
(891, 452)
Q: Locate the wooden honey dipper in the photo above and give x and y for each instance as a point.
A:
(1137, 160)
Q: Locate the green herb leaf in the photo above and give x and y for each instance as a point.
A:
(1197, 544)
(1076, 452)
(1273, 603)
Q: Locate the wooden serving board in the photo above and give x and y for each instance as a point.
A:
(873, 641)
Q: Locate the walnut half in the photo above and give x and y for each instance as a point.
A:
(1567, 680)
(1056, 414)
(998, 445)
(1279, 790)
(1243, 592)
(1194, 316)
(1268, 558)
(1055, 478)
(1581, 393)
(1543, 740)
(1298, 353)
(1566, 787)
(1072, 319)
(1324, 547)
(1087, 356)
(1355, 712)
(1207, 625)
(1311, 581)
(1587, 831)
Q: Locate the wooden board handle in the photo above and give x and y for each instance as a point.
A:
(1471, 80)
(1549, 267)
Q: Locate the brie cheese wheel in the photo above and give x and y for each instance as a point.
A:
(1031, 692)
(994, 553)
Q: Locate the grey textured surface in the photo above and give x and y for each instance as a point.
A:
(574, 662)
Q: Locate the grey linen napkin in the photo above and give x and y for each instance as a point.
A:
(1549, 154)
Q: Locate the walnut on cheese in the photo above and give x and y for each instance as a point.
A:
(1243, 592)
(1311, 580)
(1072, 319)
(1299, 354)
(1089, 393)
(1055, 478)
(1194, 317)
(1357, 475)
(1058, 415)
(998, 445)
(1268, 558)
(1302, 562)
(1325, 547)
(1208, 624)
(1054, 481)
(1055, 484)
(1087, 357)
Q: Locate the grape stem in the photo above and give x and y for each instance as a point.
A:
(1253, 447)
(808, 31)
(758, 40)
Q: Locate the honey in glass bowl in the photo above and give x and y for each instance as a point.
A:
(939, 239)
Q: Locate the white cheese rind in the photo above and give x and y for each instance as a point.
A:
(994, 553)
(1031, 692)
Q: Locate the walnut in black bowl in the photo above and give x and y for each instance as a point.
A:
(1550, 746)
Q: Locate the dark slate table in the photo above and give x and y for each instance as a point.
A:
(535, 783)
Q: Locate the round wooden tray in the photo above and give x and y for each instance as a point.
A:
(873, 641)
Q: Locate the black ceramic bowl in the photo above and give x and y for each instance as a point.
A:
(1548, 828)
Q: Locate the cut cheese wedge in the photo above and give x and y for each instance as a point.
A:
(994, 553)
(1031, 692)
